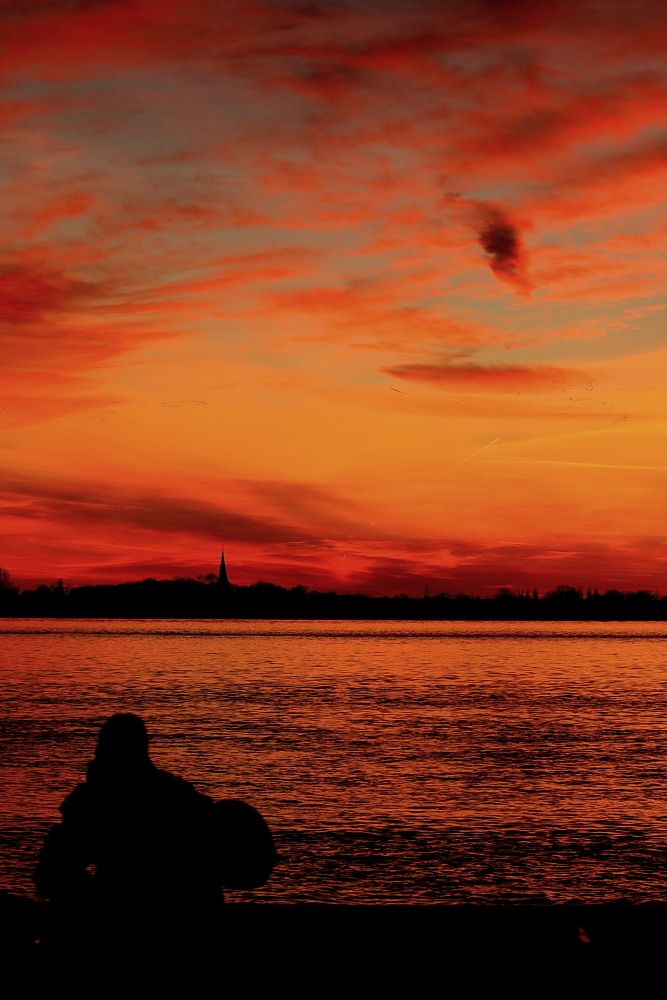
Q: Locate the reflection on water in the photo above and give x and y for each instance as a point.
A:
(396, 762)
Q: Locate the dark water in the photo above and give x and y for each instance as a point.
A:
(395, 762)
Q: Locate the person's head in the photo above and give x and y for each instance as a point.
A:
(123, 743)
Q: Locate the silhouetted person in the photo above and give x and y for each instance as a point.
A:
(142, 849)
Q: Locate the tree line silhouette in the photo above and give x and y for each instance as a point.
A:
(205, 598)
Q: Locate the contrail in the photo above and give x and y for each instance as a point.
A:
(582, 465)
(468, 457)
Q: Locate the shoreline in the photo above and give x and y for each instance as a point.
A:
(336, 619)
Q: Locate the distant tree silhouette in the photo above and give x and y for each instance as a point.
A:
(564, 593)
(203, 598)
(9, 593)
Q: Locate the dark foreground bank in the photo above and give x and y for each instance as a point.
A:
(383, 945)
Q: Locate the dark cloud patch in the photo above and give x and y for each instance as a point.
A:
(501, 240)
(299, 514)
(78, 504)
(498, 378)
(310, 503)
(31, 293)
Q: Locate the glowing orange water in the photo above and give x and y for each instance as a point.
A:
(395, 761)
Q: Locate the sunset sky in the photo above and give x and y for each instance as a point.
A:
(371, 293)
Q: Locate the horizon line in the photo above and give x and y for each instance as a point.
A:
(499, 590)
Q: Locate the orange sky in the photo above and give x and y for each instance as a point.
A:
(372, 294)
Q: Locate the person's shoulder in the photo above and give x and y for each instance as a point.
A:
(172, 781)
(179, 787)
(78, 800)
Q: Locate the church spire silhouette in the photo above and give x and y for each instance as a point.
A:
(223, 579)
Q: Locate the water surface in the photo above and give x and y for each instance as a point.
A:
(395, 761)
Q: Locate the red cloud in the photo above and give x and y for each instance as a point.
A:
(283, 512)
(50, 322)
(29, 293)
(497, 378)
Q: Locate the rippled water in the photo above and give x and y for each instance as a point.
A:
(395, 761)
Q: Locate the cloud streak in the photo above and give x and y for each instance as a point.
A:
(300, 507)
(493, 378)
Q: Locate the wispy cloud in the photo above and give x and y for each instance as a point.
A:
(495, 378)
